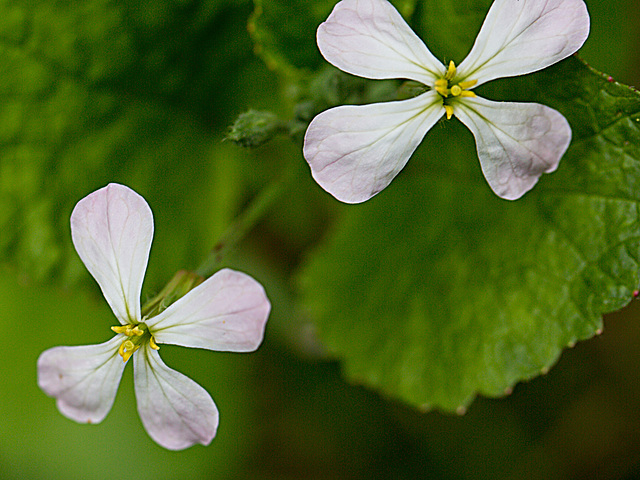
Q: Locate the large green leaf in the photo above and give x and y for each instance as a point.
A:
(125, 91)
(437, 290)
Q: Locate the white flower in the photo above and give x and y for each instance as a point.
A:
(355, 151)
(112, 230)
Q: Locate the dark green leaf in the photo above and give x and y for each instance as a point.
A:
(437, 290)
(124, 91)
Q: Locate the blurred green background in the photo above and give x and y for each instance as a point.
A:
(142, 93)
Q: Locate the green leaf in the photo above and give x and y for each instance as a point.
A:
(97, 92)
(437, 290)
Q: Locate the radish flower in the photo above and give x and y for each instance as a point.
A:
(355, 151)
(112, 230)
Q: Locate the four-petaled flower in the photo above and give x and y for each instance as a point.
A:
(355, 151)
(112, 230)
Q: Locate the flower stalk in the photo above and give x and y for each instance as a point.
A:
(244, 223)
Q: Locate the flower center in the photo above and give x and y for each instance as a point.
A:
(137, 335)
(445, 86)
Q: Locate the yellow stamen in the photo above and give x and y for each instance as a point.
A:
(468, 84)
(137, 335)
(443, 91)
(136, 331)
(449, 90)
(451, 71)
(449, 110)
(441, 86)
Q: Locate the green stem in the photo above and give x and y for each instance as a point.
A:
(242, 225)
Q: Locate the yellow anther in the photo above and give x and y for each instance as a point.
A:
(449, 110)
(136, 331)
(441, 86)
(128, 330)
(445, 88)
(451, 71)
(137, 335)
(468, 84)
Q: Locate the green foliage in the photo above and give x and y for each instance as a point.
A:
(112, 91)
(436, 290)
(432, 292)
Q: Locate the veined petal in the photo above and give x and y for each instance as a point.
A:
(227, 312)
(176, 412)
(355, 151)
(84, 379)
(112, 230)
(517, 142)
(370, 39)
(523, 36)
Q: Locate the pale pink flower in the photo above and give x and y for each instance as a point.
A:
(112, 230)
(355, 151)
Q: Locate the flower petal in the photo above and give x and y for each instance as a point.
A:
(517, 142)
(355, 151)
(176, 412)
(227, 312)
(525, 36)
(84, 379)
(370, 39)
(112, 229)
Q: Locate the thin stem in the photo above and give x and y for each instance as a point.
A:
(242, 225)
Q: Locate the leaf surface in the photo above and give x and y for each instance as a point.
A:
(436, 290)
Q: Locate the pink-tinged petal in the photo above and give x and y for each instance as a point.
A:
(355, 151)
(517, 142)
(84, 379)
(176, 412)
(227, 312)
(112, 230)
(370, 39)
(524, 36)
